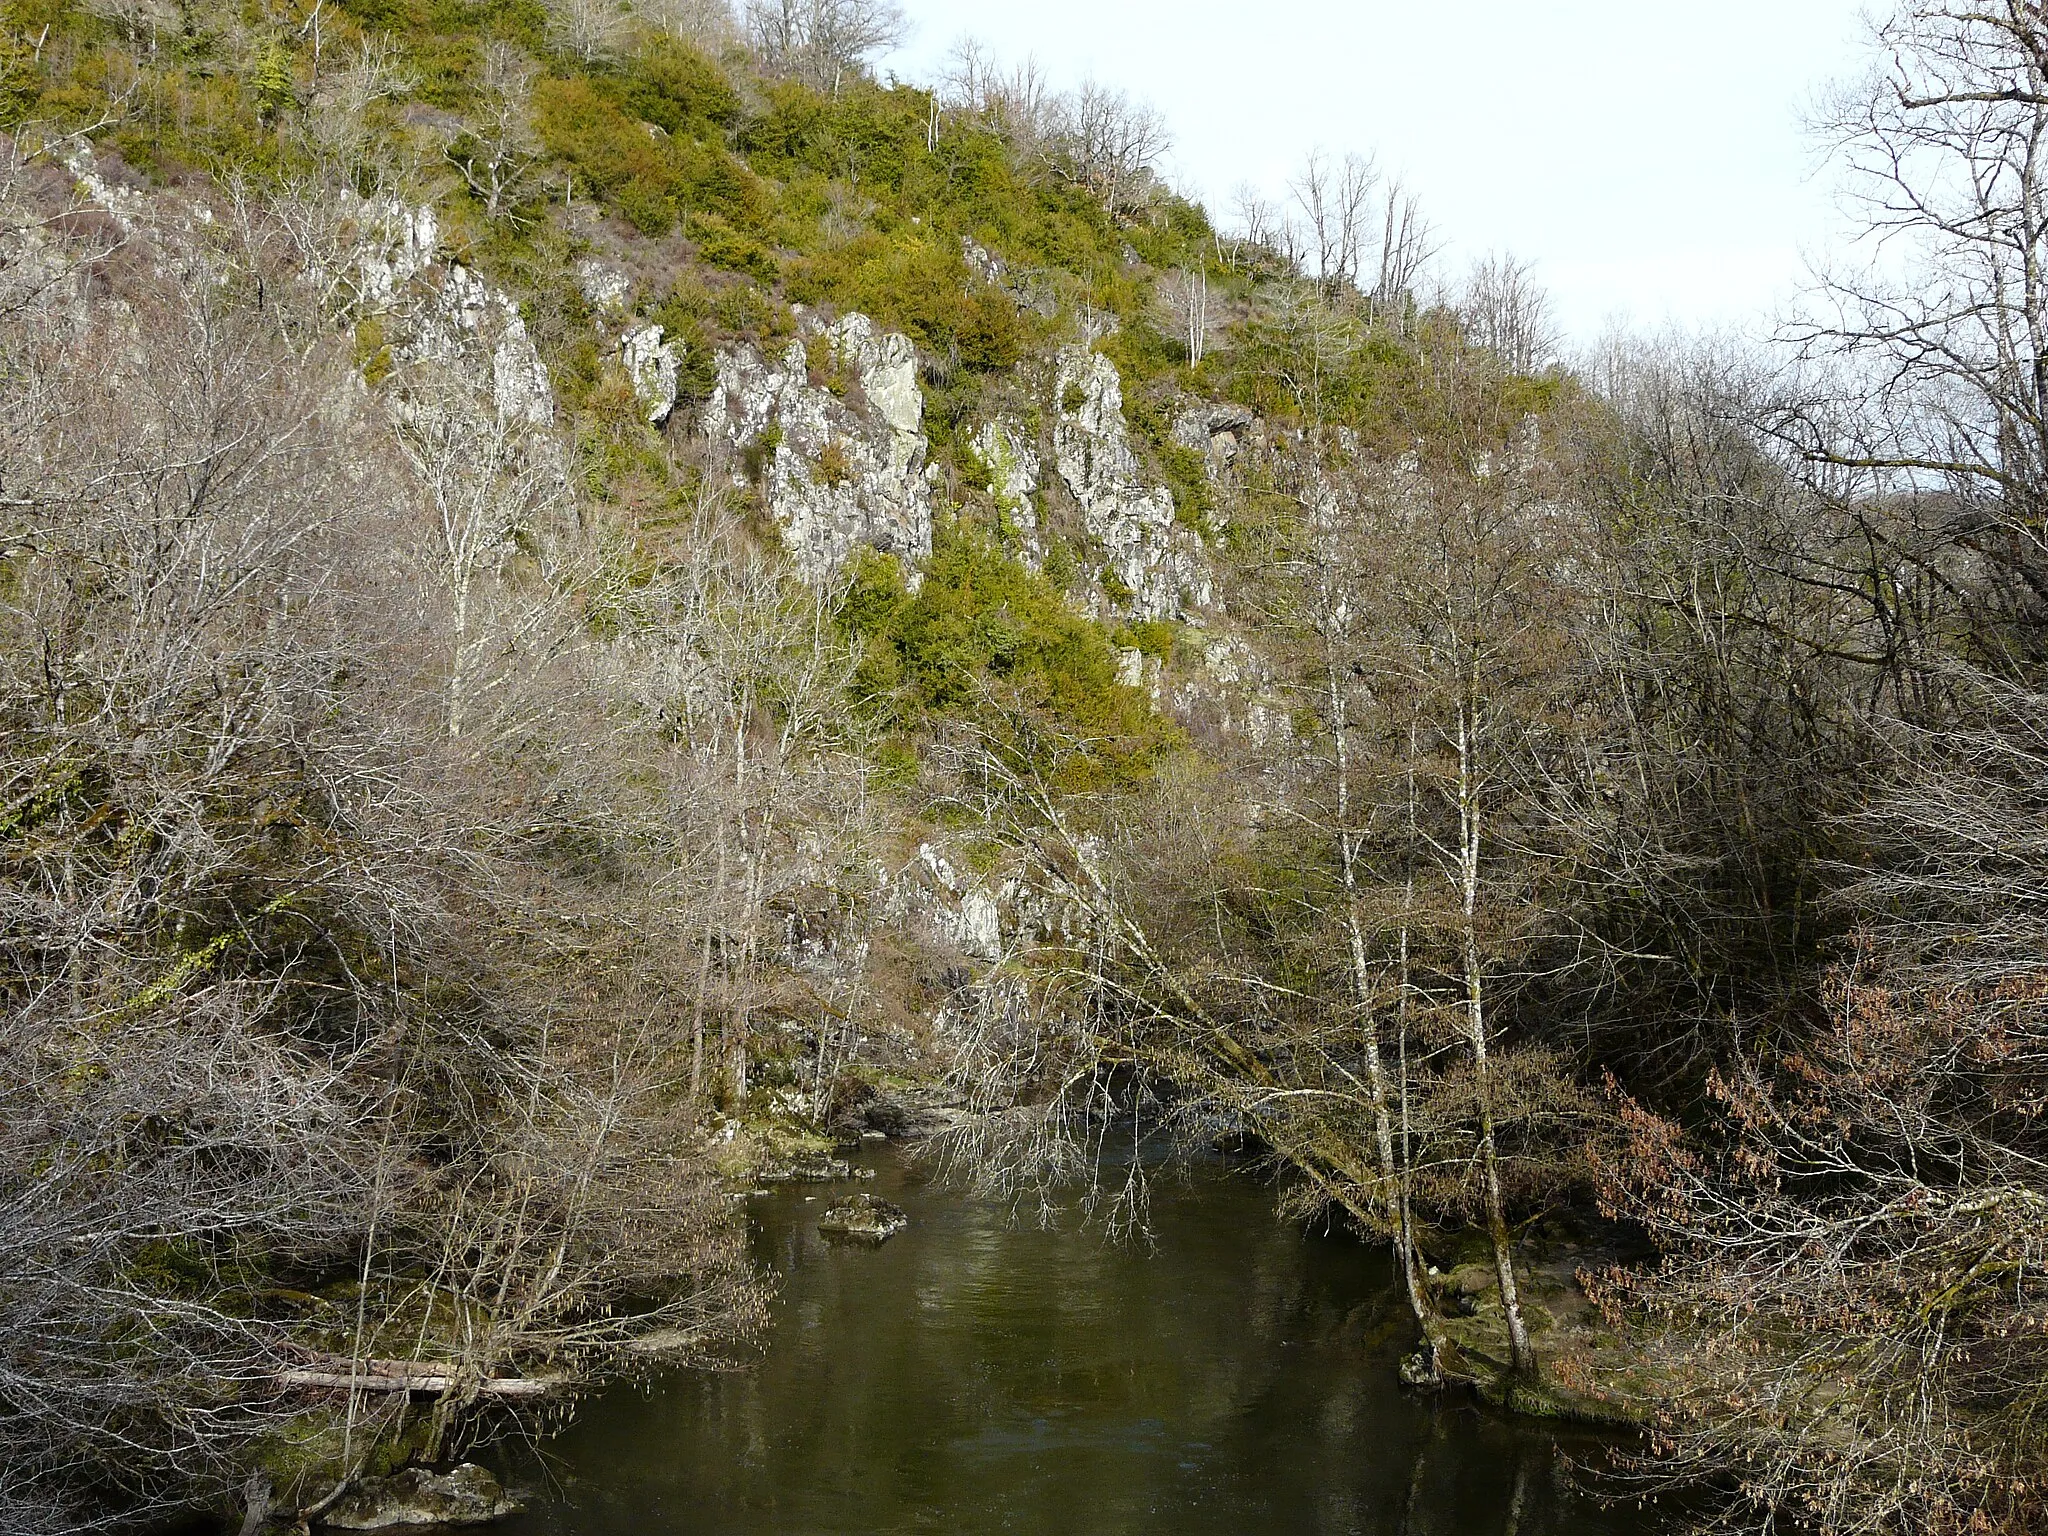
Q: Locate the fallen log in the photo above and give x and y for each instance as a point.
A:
(414, 1376)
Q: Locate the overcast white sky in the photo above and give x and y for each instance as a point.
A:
(1646, 155)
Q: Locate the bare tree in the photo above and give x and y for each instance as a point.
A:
(499, 152)
(1405, 250)
(1352, 233)
(1505, 312)
(1259, 223)
(325, 1005)
(490, 482)
(1333, 204)
(163, 1095)
(1017, 102)
(1945, 329)
(706, 24)
(1186, 297)
(590, 29)
(1109, 144)
(341, 125)
(1467, 620)
(821, 41)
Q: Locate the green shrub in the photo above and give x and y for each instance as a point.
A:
(910, 280)
(676, 88)
(1155, 637)
(270, 76)
(983, 625)
(710, 180)
(618, 159)
(722, 246)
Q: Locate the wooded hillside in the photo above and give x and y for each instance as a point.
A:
(594, 600)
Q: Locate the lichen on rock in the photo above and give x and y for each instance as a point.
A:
(653, 365)
(863, 1218)
(439, 311)
(1011, 462)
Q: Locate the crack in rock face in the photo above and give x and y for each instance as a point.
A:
(847, 465)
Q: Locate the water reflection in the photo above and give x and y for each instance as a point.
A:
(974, 1375)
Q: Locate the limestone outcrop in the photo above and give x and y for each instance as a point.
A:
(1153, 567)
(841, 455)
(653, 365)
(431, 310)
(1010, 460)
(1218, 432)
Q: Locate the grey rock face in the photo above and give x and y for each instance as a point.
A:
(127, 207)
(1011, 462)
(984, 263)
(603, 285)
(1027, 290)
(468, 1495)
(654, 366)
(1217, 432)
(847, 468)
(964, 910)
(443, 312)
(1234, 692)
(1159, 564)
(976, 914)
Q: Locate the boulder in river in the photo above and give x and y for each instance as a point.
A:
(468, 1495)
(863, 1218)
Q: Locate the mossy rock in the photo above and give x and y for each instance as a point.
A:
(863, 1218)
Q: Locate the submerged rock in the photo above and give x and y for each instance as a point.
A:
(1420, 1369)
(813, 1169)
(468, 1495)
(865, 1218)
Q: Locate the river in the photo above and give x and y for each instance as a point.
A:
(977, 1374)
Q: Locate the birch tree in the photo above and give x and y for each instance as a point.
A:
(1472, 643)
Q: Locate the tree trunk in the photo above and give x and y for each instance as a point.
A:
(704, 968)
(1469, 817)
(1392, 1174)
(414, 1376)
(256, 1504)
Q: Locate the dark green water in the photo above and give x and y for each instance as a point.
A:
(977, 1375)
